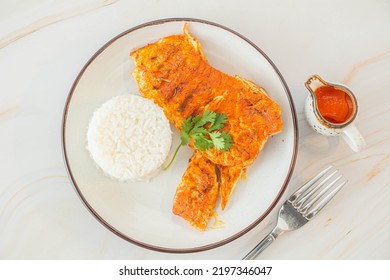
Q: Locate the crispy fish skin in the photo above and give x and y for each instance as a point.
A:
(197, 192)
(175, 74)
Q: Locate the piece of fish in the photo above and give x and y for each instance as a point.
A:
(197, 192)
(176, 75)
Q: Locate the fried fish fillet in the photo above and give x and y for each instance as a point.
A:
(175, 74)
(197, 192)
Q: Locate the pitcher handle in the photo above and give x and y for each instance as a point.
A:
(354, 139)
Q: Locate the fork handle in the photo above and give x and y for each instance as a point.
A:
(262, 245)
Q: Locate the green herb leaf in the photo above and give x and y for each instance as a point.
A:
(202, 143)
(199, 130)
(184, 137)
(208, 117)
(187, 125)
(228, 141)
(205, 138)
(195, 120)
(218, 141)
(219, 122)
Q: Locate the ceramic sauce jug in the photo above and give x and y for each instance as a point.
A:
(331, 109)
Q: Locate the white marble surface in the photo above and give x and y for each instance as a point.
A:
(45, 43)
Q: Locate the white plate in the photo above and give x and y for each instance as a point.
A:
(142, 212)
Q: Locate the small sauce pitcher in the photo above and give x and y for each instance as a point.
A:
(322, 111)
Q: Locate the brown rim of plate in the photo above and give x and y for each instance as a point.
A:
(212, 245)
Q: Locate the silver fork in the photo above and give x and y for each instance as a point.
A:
(302, 206)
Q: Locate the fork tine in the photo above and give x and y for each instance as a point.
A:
(305, 197)
(308, 184)
(319, 195)
(325, 201)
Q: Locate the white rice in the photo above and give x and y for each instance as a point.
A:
(129, 138)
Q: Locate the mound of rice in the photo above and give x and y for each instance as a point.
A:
(129, 138)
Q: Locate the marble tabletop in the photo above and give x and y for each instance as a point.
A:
(45, 43)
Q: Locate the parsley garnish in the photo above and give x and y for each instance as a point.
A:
(204, 130)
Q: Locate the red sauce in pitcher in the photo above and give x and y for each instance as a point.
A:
(333, 104)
